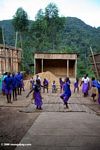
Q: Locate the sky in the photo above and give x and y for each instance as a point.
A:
(86, 10)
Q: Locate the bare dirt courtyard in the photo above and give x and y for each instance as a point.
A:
(18, 117)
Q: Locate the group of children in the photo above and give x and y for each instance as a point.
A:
(93, 85)
(12, 85)
(65, 90)
(36, 89)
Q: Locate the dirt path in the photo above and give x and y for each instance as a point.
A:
(18, 117)
(13, 123)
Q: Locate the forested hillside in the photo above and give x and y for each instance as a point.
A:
(55, 34)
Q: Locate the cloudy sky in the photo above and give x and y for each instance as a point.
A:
(86, 10)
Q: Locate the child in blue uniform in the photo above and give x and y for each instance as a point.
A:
(8, 87)
(67, 92)
(3, 84)
(14, 86)
(19, 82)
(45, 85)
(76, 85)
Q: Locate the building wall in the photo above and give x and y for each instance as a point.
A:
(59, 67)
(10, 59)
(97, 62)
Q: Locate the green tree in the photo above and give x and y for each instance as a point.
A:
(54, 25)
(20, 20)
(39, 15)
(20, 23)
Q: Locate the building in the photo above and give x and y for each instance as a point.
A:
(95, 62)
(61, 65)
(10, 59)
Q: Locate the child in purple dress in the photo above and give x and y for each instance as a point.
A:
(85, 85)
(76, 85)
(37, 94)
(67, 92)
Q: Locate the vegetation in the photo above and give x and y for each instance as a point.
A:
(52, 33)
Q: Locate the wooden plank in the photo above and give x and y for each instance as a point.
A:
(94, 63)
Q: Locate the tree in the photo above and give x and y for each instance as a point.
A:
(54, 24)
(20, 23)
(20, 20)
(51, 11)
(39, 15)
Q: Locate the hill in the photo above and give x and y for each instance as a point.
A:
(8, 30)
(75, 36)
(76, 33)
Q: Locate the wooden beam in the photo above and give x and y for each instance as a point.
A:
(42, 65)
(67, 67)
(75, 68)
(94, 63)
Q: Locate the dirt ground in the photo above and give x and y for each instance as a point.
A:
(13, 123)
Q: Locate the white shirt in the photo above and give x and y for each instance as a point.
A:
(86, 80)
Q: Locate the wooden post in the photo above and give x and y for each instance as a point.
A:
(2, 61)
(16, 40)
(42, 65)
(4, 49)
(75, 68)
(67, 68)
(34, 66)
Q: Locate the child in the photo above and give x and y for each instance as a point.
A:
(8, 87)
(98, 87)
(54, 89)
(3, 84)
(32, 83)
(45, 85)
(67, 92)
(85, 85)
(94, 89)
(61, 84)
(19, 79)
(37, 94)
(14, 87)
(76, 85)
